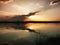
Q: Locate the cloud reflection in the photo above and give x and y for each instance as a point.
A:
(9, 33)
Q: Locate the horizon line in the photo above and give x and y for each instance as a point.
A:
(29, 21)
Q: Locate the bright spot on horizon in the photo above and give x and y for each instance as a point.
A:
(30, 27)
(38, 18)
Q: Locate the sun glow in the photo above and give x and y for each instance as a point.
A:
(31, 27)
(38, 18)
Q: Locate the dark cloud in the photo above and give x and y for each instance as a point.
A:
(18, 17)
(56, 1)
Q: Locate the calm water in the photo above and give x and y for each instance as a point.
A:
(17, 34)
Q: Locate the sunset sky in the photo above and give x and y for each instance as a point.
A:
(49, 9)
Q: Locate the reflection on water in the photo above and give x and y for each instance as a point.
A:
(17, 34)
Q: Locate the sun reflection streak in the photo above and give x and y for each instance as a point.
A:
(42, 26)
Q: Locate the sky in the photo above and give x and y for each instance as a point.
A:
(48, 9)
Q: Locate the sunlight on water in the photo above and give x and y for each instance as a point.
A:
(16, 33)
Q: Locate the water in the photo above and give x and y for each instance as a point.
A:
(17, 34)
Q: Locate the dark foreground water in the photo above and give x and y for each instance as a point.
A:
(17, 34)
